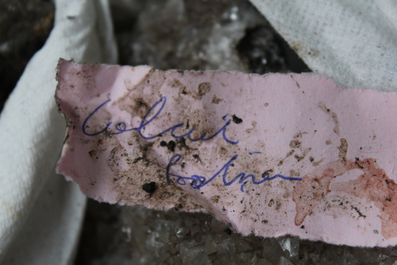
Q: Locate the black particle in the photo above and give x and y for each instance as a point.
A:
(171, 146)
(149, 187)
(228, 231)
(197, 157)
(136, 160)
(236, 119)
(163, 143)
(182, 143)
(303, 227)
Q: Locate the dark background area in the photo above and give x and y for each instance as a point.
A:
(24, 28)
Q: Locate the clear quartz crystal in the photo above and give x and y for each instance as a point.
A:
(290, 244)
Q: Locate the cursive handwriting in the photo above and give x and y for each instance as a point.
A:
(200, 181)
(121, 127)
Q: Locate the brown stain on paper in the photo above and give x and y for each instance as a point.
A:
(343, 150)
(331, 114)
(216, 100)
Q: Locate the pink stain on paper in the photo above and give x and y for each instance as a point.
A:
(271, 155)
(373, 185)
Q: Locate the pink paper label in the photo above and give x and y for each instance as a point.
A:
(271, 155)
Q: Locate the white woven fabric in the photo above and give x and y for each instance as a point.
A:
(352, 42)
(41, 214)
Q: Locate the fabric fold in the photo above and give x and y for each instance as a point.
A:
(32, 133)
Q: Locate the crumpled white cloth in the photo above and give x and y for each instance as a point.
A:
(40, 213)
(352, 42)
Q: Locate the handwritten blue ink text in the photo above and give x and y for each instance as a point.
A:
(197, 181)
(121, 127)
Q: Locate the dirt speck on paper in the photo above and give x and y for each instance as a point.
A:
(331, 114)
